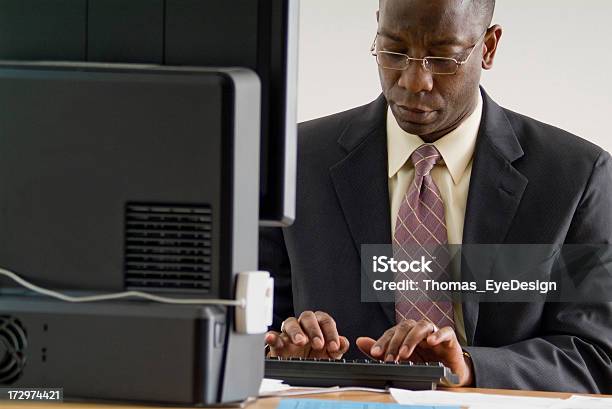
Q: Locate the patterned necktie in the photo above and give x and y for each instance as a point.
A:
(420, 230)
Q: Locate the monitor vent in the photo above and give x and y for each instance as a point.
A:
(168, 248)
(13, 342)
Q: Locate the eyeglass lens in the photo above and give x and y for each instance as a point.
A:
(436, 65)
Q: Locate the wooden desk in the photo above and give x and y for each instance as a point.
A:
(271, 403)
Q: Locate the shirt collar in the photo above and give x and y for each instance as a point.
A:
(456, 147)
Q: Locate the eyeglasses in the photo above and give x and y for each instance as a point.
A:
(435, 65)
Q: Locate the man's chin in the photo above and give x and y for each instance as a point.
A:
(417, 128)
(416, 124)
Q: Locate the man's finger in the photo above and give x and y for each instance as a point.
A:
(309, 324)
(273, 339)
(365, 344)
(445, 334)
(419, 332)
(292, 328)
(401, 331)
(285, 340)
(330, 332)
(344, 346)
(379, 348)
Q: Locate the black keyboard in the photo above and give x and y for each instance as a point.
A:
(359, 372)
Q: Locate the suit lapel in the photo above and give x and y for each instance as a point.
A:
(495, 191)
(360, 181)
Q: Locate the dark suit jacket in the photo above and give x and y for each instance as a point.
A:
(530, 183)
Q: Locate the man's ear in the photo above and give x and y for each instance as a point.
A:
(491, 42)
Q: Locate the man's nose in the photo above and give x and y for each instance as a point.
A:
(416, 78)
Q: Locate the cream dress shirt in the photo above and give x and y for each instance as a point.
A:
(452, 177)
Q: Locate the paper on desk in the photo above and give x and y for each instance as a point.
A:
(272, 385)
(584, 402)
(471, 400)
(344, 404)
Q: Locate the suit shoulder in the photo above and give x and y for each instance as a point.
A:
(324, 132)
(550, 140)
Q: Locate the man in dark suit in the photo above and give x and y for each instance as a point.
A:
(502, 177)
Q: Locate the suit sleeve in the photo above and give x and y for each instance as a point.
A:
(574, 351)
(273, 257)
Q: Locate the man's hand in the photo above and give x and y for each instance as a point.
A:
(312, 335)
(420, 341)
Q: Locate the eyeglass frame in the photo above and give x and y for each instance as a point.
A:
(409, 58)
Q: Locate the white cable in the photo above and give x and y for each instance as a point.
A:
(104, 297)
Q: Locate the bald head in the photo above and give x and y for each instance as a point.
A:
(484, 10)
(481, 10)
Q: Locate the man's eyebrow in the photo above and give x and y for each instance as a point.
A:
(391, 36)
(449, 42)
(441, 42)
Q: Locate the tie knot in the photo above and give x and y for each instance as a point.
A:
(424, 159)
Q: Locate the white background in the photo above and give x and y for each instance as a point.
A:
(554, 61)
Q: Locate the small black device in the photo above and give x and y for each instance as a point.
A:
(119, 350)
(359, 372)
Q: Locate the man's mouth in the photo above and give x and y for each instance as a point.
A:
(415, 114)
